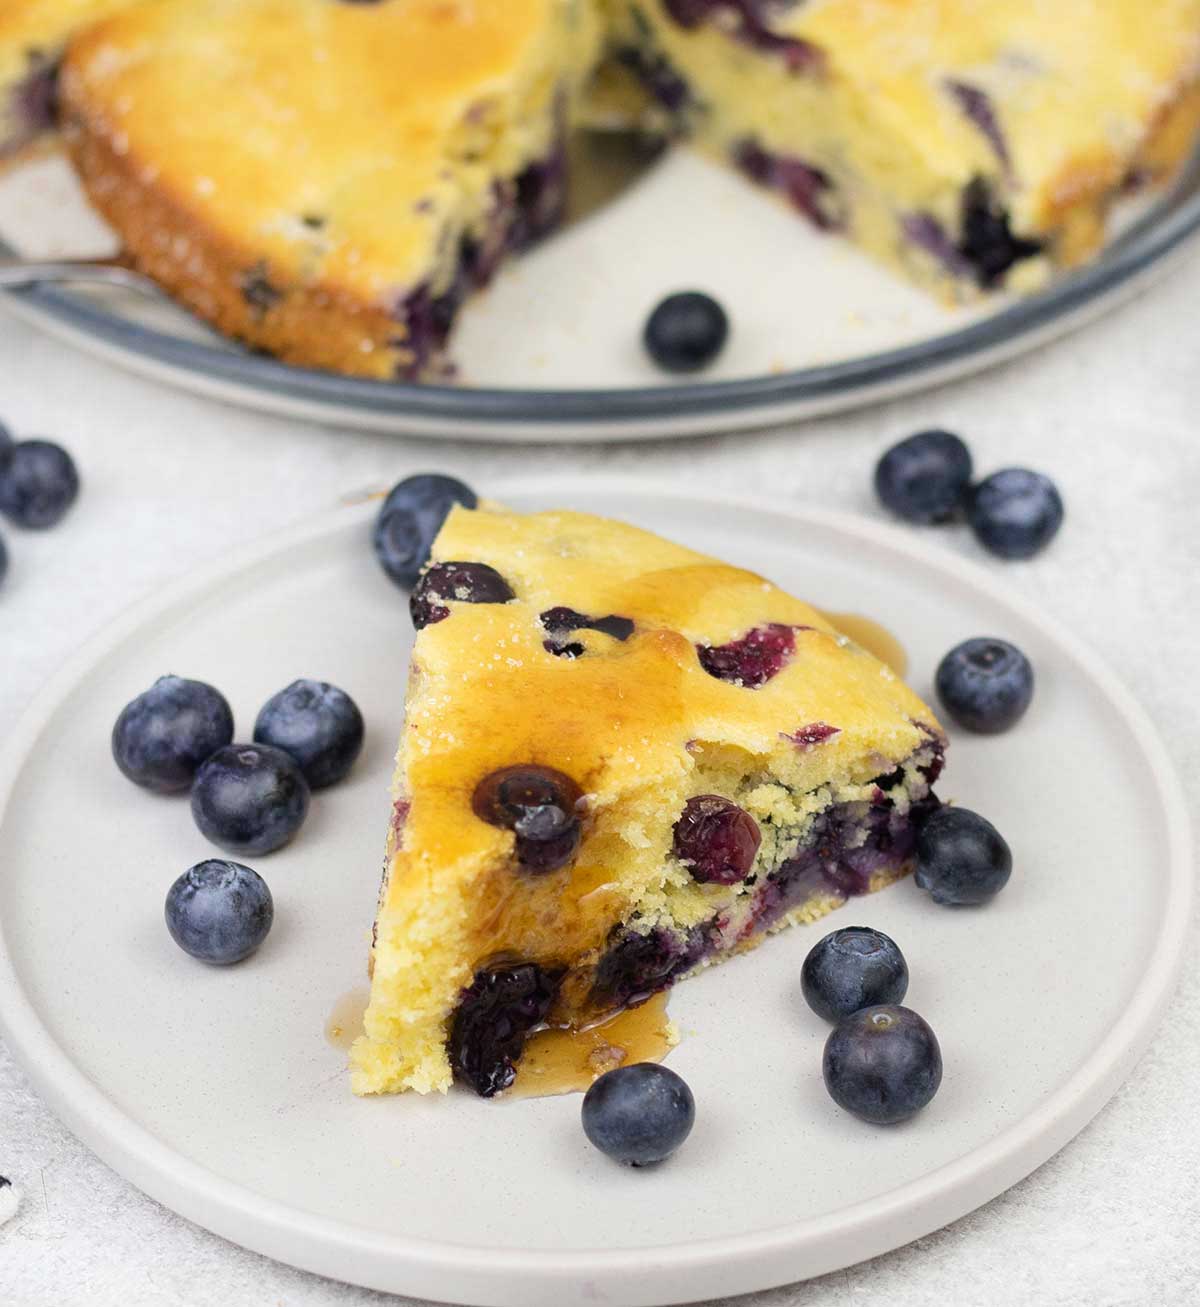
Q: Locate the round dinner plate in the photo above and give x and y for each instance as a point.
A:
(552, 351)
(217, 1091)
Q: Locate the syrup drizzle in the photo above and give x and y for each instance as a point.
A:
(875, 639)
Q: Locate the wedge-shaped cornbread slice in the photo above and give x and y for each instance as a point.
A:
(622, 761)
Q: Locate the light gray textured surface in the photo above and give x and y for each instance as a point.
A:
(169, 482)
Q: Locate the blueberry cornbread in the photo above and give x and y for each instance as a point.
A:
(328, 180)
(33, 36)
(623, 761)
(972, 144)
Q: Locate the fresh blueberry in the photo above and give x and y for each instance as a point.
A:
(38, 483)
(716, 839)
(883, 1064)
(250, 798)
(686, 332)
(924, 478)
(540, 805)
(409, 520)
(638, 1114)
(219, 911)
(10, 1200)
(469, 583)
(853, 968)
(985, 685)
(318, 724)
(163, 735)
(1015, 513)
(494, 1015)
(961, 857)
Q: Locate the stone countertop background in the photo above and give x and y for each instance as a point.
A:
(170, 482)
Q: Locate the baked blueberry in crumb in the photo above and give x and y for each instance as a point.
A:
(752, 659)
(805, 187)
(468, 583)
(985, 685)
(318, 724)
(493, 1019)
(850, 969)
(1015, 513)
(409, 520)
(883, 1064)
(260, 296)
(540, 805)
(219, 911)
(38, 483)
(716, 840)
(161, 737)
(925, 477)
(250, 798)
(686, 332)
(962, 859)
(638, 1114)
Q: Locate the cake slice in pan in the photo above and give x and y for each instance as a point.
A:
(622, 761)
(974, 145)
(329, 181)
(33, 36)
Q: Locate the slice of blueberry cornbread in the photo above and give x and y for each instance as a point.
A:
(329, 179)
(33, 36)
(973, 145)
(622, 761)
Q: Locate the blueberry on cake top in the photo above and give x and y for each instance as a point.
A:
(622, 761)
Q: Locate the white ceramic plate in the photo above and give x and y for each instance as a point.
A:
(216, 1091)
(551, 352)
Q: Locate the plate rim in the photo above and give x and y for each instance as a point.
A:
(742, 1263)
(1128, 262)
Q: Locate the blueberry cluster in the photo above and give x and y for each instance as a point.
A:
(38, 483)
(1014, 513)
(250, 799)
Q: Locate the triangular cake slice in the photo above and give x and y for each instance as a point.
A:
(622, 761)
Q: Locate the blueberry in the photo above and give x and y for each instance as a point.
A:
(494, 1016)
(38, 483)
(716, 839)
(752, 659)
(686, 332)
(469, 583)
(540, 805)
(10, 1200)
(883, 1064)
(924, 478)
(250, 798)
(3, 560)
(961, 857)
(1015, 513)
(409, 520)
(219, 911)
(985, 685)
(853, 968)
(318, 724)
(163, 735)
(638, 1114)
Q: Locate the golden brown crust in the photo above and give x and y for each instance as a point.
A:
(316, 326)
